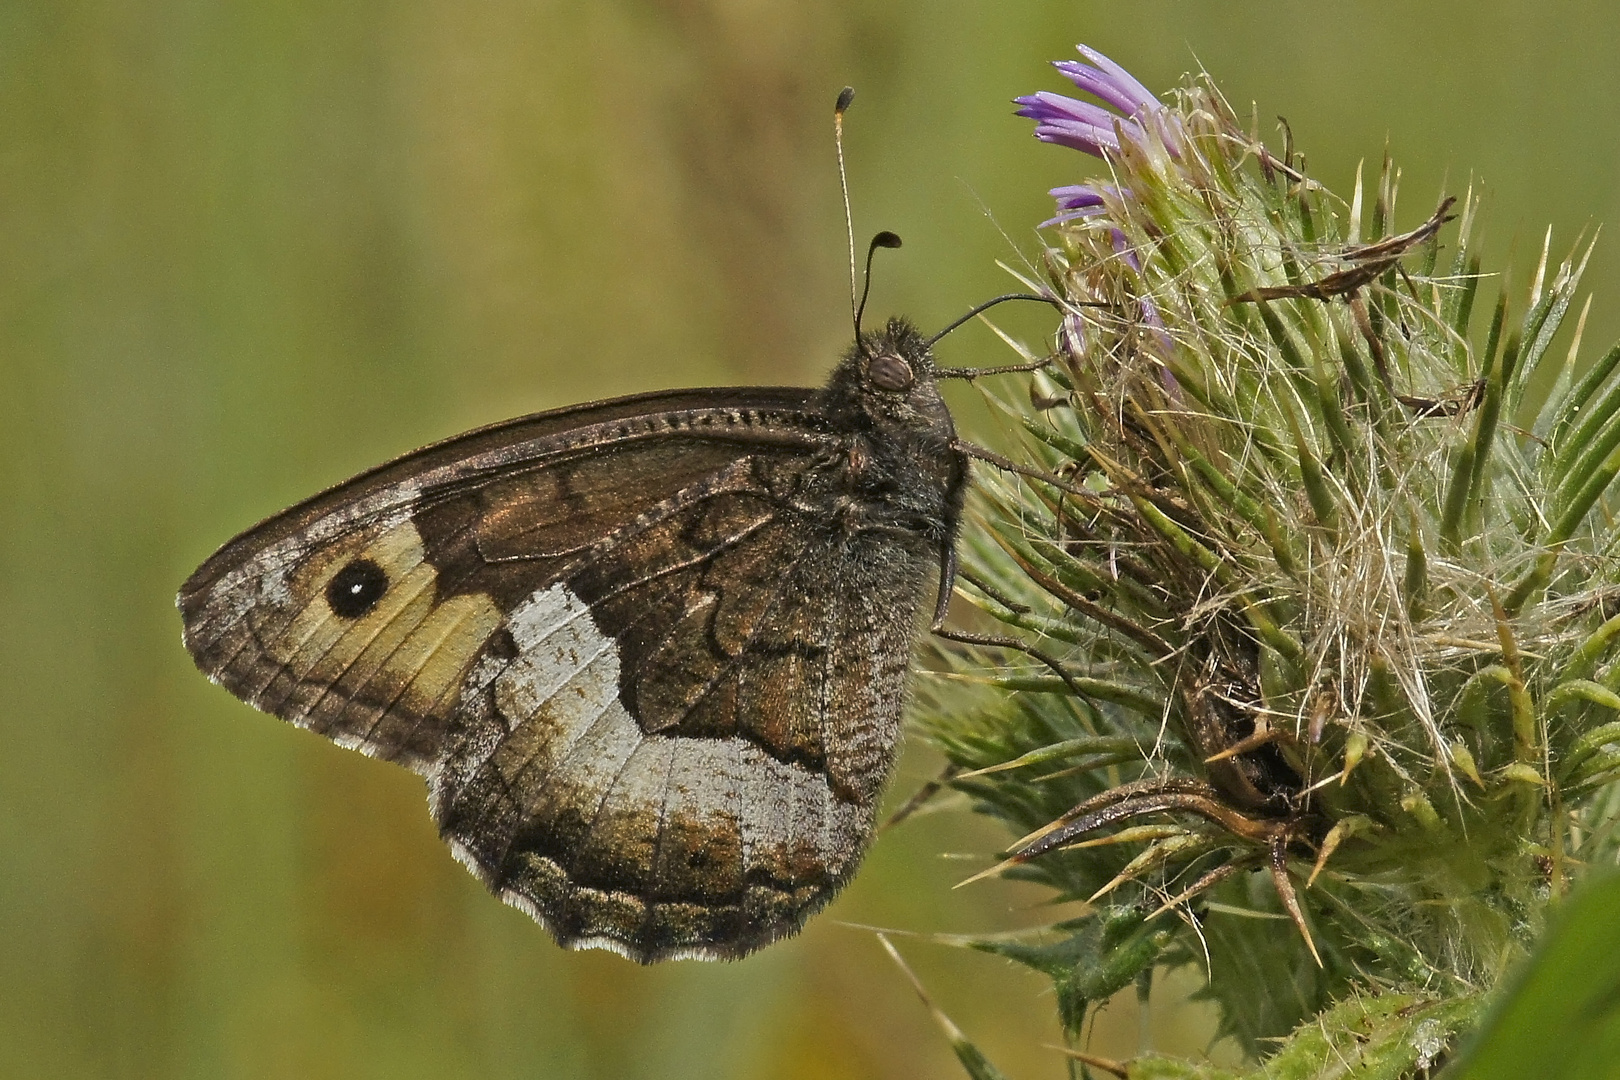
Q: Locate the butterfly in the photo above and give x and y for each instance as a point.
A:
(650, 654)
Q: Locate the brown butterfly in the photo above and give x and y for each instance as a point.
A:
(650, 654)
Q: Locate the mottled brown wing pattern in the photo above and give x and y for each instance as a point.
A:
(654, 693)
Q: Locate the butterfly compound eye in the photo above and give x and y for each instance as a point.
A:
(355, 589)
(889, 372)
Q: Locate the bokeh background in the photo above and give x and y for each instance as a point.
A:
(249, 249)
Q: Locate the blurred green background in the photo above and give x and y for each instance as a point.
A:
(249, 249)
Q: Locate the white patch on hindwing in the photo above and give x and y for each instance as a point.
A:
(567, 746)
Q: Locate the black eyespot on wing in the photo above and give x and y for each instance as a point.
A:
(890, 372)
(355, 589)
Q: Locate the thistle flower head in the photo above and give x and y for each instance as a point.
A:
(1313, 602)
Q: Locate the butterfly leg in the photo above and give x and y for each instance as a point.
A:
(920, 797)
(990, 457)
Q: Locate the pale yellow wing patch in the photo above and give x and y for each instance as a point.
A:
(381, 682)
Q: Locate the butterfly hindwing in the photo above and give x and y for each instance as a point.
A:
(738, 795)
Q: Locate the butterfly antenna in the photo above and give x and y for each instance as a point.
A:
(845, 97)
(883, 239)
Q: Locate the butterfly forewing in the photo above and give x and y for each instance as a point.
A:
(652, 675)
(441, 529)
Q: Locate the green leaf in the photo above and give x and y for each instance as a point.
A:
(1575, 410)
(974, 1063)
(1156, 1068)
(1106, 746)
(1252, 947)
(1560, 1019)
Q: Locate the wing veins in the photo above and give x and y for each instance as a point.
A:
(353, 695)
(697, 560)
(607, 793)
(433, 650)
(525, 814)
(731, 661)
(277, 667)
(475, 767)
(663, 816)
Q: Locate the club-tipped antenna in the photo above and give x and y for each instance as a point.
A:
(845, 97)
(884, 239)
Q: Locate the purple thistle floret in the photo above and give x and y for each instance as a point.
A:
(1074, 326)
(1080, 201)
(1082, 126)
(1095, 130)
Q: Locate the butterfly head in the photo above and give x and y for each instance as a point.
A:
(886, 381)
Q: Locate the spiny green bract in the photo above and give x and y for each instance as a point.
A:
(1313, 571)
